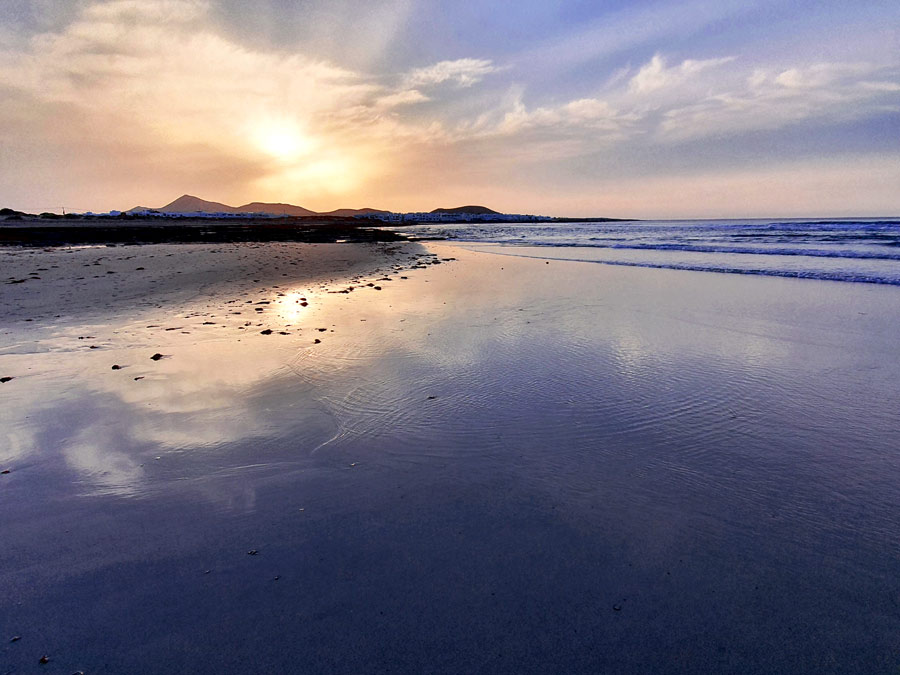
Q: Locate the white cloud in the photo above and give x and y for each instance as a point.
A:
(821, 75)
(656, 75)
(463, 72)
(400, 98)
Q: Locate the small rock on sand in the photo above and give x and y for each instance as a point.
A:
(267, 331)
(157, 357)
(4, 380)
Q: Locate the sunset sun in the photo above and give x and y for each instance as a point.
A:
(282, 141)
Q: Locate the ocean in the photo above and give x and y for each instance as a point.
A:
(863, 250)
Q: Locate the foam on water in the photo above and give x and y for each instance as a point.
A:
(848, 250)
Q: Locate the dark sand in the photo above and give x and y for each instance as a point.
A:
(495, 465)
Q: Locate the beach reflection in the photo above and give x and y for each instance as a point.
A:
(438, 367)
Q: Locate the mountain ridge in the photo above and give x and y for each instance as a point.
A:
(190, 204)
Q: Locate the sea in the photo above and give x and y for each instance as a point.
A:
(865, 250)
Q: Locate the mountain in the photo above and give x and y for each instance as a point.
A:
(275, 209)
(478, 210)
(191, 204)
(349, 213)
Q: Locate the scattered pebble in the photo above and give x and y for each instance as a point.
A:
(267, 331)
(116, 367)
(4, 380)
(317, 341)
(156, 357)
(140, 377)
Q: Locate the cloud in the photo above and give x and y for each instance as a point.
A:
(656, 75)
(462, 72)
(769, 100)
(405, 97)
(151, 73)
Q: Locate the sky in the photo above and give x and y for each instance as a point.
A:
(645, 109)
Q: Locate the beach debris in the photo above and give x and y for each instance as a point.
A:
(4, 472)
(354, 463)
(253, 551)
(116, 366)
(4, 380)
(157, 357)
(267, 331)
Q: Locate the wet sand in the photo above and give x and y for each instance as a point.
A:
(496, 464)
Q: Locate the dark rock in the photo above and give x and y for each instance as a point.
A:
(267, 331)
(156, 357)
(4, 380)
(44, 659)
(139, 378)
(4, 472)
(317, 341)
(117, 367)
(252, 551)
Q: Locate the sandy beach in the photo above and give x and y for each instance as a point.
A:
(400, 457)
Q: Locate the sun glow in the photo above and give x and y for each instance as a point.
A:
(283, 141)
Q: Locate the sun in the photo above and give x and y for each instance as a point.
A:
(282, 141)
